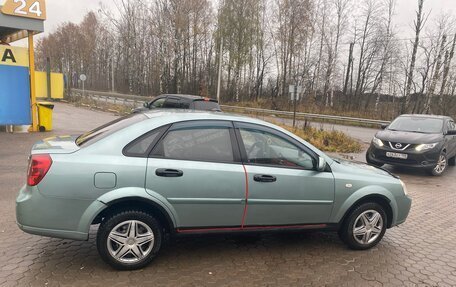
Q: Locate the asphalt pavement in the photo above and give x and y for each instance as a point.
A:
(421, 252)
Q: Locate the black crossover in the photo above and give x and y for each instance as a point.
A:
(423, 141)
(179, 101)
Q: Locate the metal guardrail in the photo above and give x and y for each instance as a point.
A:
(133, 100)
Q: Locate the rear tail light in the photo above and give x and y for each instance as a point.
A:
(39, 165)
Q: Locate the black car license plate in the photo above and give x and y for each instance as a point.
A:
(397, 155)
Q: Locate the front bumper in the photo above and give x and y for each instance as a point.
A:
(404, 204)
(427, 159)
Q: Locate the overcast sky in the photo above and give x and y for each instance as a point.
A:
(59, 11)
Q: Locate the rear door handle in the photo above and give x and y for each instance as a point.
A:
(264, 178)
(165, 172)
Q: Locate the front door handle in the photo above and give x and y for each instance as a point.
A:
(264, 178)
(165, 172)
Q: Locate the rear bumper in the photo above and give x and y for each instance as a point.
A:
(64, 234)
(417, 160)
(50, 216)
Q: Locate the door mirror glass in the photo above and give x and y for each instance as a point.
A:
(146, 105)
(384, 126)
(321, 164)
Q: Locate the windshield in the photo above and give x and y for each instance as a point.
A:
(206, 105)
(417, 124)
(109, 128)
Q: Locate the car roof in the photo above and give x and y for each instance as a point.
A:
(426, 116)
(185, 114)
(186, 97)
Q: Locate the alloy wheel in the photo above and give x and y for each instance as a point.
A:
(367, 227)
(441, 164)
(130, 241)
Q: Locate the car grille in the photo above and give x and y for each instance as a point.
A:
(400, 146)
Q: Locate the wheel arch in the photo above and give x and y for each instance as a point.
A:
(377, 194)
(382, 200)
(137, 202)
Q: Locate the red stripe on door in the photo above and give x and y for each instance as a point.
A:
(246, 196)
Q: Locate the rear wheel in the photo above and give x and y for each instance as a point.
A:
(129, 239)
(364, 227)
(441, 165)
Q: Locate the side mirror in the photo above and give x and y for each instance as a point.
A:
(384, 126)
(146, 105)
(321, 165)
(451, 133)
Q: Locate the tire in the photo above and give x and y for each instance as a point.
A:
(369, 161)
(116, 234)
(441, 165)
(376, 221)
(452, 161)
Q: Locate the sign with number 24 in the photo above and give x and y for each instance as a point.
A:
(35, 9)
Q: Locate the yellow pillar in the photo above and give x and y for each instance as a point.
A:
(34, 106)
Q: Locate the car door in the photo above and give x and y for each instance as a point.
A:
(284, 186)
(197, 168)
(451, 139)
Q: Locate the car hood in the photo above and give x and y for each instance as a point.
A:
(355, 167)
(408, 137)
(57, 144)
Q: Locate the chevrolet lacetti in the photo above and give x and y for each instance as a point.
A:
(146, 175)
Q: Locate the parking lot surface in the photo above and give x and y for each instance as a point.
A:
(421, 252)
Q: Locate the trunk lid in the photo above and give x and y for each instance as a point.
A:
(56, 145)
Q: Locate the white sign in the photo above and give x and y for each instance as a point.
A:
(291, 90)
(83, 77)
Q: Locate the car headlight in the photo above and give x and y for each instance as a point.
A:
(378, 142)
(404, 187)
(422, 147)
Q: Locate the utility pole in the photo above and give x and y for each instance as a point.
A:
(48, 77)
(219, 80)
(295, 94)
(112, 75)
(349, 66)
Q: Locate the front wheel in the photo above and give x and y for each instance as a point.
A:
(441, 165)
(129, 240)
(364, 227)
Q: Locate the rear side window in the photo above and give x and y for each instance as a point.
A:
(206, 106)
(109, 128)
(212, 144)
(142, 146)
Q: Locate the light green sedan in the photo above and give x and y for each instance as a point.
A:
(167, 172)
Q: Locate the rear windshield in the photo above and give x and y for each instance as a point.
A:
(109, 128)
(206, 105)
(417, 124)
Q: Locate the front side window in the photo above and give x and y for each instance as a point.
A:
(269, 149)
(158, 103)
(211, 144)
(172, 103)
